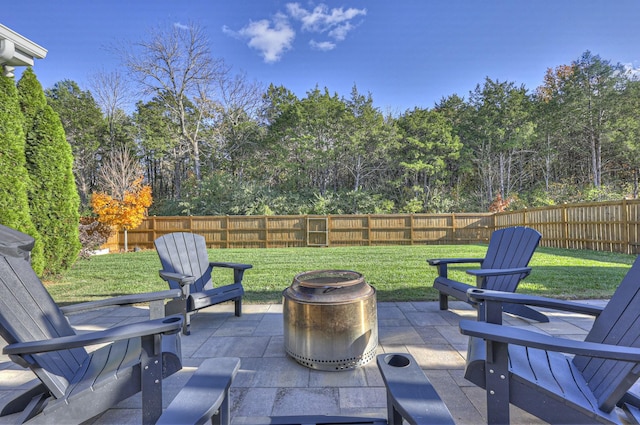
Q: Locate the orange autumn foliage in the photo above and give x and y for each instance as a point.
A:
(126, 213)
(554, 79)
(499, 204)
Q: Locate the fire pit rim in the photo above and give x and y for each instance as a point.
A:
(332, 291)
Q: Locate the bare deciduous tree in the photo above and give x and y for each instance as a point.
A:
(118, 172)
(175, 65)
(241, 102)
(112, 93)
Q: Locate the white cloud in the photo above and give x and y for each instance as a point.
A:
(270, 38)
(340, 32)
(335, 22)
(180, 26)
(631, 70)
(322, 45)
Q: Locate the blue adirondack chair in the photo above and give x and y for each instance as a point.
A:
(503, 267)
(558, 380)
(186, 266)
(74, 385)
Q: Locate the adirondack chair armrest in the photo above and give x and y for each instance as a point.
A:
(167, 325)
(204, 395)
(518, 336)
(410, 395)
(477, 295)
(498, 272)
(122, 301)
(182, 279)
(238, 266)
(439, 261)
(238, 269)
(442, 263)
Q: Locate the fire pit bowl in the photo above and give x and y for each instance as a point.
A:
(330, 320)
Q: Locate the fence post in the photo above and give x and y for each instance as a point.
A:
(226, 231)
(453, 227)
(411, 229)
(565, 226)
(625, 227)
(154, 235)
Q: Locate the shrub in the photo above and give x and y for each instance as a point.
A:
(53, 197)
(14, 179)
(93, 234)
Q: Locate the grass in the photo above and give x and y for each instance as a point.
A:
(399, 273)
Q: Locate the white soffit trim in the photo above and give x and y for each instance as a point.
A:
(16, 50)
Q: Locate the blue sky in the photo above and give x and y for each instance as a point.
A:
(406, 53)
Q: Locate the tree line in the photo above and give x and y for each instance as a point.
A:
(211, 142)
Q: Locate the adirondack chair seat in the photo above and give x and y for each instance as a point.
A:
(186, 266)
(556, 379)
(548, 378)
(410, 398)
(503, 267)
(201, 299)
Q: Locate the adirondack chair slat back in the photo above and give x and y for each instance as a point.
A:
(185, 253)
(511, 247)
(618, 324)
(28, 313)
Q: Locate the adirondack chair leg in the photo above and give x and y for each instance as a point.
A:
(526, 312)
(224, 412)
(496, 368)
(24, 399)
(238, 306)
(32, 409)
(393, 416)
(151, 371)
(186, 325)
(444, 301)
(238, 274)
(497, 383)
(179, 306)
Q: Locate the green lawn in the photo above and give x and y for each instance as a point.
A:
(399, 273)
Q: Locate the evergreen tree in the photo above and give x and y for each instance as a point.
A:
(53, 197)
(14, 203)
(85, 131)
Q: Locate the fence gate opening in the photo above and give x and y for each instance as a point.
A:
(317, 231)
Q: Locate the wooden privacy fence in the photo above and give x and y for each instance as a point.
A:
(602, 226)
(315, 230)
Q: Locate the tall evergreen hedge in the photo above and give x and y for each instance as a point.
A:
(14, 178)
(53, 197)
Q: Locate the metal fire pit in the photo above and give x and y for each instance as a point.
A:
(330, 320)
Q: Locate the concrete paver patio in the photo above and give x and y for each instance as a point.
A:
(271, 383)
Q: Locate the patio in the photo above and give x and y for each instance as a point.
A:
(270, 383)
